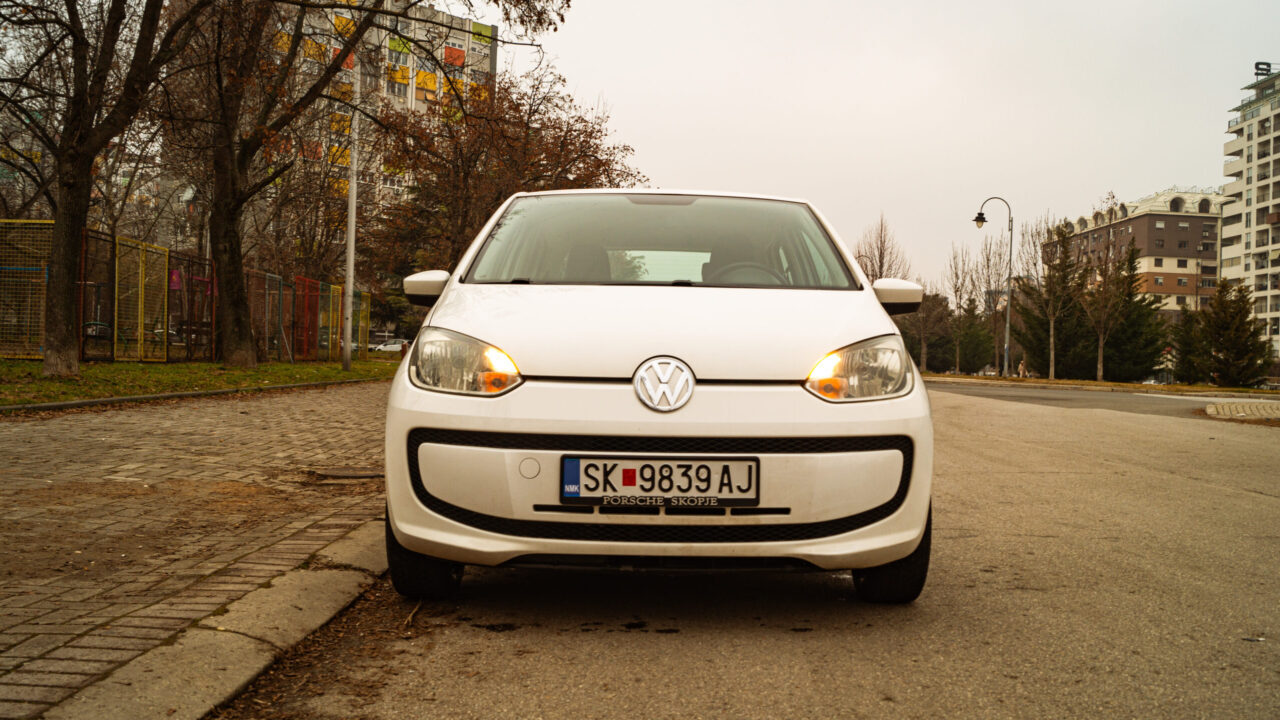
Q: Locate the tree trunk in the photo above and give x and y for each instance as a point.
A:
(61, 322)
(924, 352)
(1101, 341)
(1053, 350)
(235, 330)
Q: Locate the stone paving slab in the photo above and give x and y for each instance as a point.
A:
(1245, 410)
(123, 528)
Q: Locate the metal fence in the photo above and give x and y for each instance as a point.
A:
(141, 302)
(191, 308)
(24, 259)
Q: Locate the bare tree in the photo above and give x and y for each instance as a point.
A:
(255, 70)
(1048, 275)
(879, 254)
(991, 267)
(958, 279)
(929, 321)
(74, 75)
(1103, 267)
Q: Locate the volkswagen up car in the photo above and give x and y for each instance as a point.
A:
(656, 379)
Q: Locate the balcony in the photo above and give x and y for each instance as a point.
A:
(1273, 218)
(1233, 167)
(1234, 147)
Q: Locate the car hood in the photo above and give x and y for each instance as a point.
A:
(607, 331)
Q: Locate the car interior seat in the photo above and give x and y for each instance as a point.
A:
(587, 264)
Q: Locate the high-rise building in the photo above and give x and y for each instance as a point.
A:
(1251, 218)
(407, 62)
(1175, 232)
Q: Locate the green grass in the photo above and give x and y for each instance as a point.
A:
(21, 381)
(1170, 389)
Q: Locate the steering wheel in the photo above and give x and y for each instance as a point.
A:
(746, 271)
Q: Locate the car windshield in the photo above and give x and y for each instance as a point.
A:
(649, 239)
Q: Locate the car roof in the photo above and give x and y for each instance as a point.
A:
(659, 191)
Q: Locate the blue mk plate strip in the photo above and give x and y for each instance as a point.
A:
(569, 468)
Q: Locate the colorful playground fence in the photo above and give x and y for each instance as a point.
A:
(141, 302)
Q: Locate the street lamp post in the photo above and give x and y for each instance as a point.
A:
(978, 220)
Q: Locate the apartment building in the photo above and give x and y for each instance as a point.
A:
(1175, 232)
(1251, 217)
(427, 57)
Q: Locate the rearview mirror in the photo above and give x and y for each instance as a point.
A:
(424, 288)
(898, 296)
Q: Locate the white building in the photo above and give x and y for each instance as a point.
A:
(1250, 238)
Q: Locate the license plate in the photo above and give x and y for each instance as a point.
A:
(659, 482)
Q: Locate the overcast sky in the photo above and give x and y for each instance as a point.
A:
(919, 110)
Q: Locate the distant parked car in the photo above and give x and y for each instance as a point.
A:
(390, 345)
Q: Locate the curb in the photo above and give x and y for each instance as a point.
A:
(213, 660)
(1154, 390)
(72, 404)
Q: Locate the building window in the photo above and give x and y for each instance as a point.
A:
(1182, 282)
(1159, 280)
(1184, 226)
(397, 57)
(397, 89)
(1248, 198)
(1159, 262)
(1182, 244)
(1159, 224)
(1182, 263)
(1209, 270)
(1182, 300)
(1159, 242)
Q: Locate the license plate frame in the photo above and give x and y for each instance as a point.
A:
(572, 468)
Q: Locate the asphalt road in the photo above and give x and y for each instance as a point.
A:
(1087, 563)
(1141, 403)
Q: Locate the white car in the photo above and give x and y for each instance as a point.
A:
(389, 345)
(657, 379)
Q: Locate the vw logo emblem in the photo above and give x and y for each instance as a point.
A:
(663, 384)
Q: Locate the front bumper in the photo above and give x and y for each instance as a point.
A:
(476, 480)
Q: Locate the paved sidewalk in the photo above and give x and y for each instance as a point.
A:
(122, 528)
(1244, 410)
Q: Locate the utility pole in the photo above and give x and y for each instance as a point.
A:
(348, 287)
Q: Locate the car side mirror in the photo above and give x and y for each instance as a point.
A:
(898, 296)
(424, 288)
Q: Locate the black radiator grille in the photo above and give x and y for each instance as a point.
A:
(630, 532)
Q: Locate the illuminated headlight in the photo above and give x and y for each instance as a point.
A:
(871, 370)
(447, 361)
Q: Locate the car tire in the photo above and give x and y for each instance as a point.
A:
(420, 577)
(900, 581)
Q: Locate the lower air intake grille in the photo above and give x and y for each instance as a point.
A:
(623, 532)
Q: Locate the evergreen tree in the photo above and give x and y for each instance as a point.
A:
(921, 328)
(1135, 348)
(1189, 348)
(973, 338)
(1075, 342)
(1237, 352)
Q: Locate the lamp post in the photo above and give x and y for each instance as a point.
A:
(353, 178)
(978, 220)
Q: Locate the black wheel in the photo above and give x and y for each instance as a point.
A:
(418, 576)
(900, 581)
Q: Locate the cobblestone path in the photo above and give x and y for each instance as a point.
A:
(122, 527)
